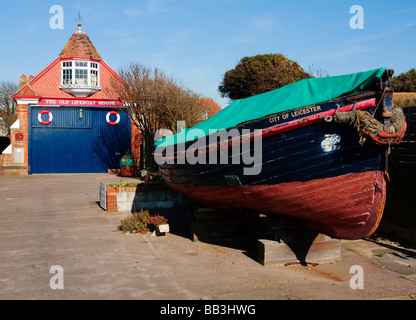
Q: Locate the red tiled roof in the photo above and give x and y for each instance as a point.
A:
(213, 107)
(47, 85)
(24, 87)
(79, 46)
(27, 91)
(47, 82)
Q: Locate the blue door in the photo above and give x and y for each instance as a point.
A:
(58, 150)
(109, 142)
(63, 141)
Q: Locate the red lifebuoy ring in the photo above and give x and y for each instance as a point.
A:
(113, 123)
(40, 117)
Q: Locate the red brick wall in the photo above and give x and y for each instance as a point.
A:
(8, 166)
(112, 200)
(22, 115)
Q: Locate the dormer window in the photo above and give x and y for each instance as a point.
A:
(80, 78)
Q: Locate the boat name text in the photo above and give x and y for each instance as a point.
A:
(294, 114)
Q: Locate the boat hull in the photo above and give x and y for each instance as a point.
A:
(345, 207)
(312, 171)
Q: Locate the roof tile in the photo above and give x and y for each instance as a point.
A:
(47, 82)
(80, 46)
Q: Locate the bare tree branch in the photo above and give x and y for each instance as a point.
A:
(155, 101)
(8, 108)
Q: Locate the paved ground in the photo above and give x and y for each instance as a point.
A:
(49, 220)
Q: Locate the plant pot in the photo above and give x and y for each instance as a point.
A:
(127, 171)
(162, 228)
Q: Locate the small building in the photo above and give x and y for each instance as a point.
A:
(67, 119)
(212, 107)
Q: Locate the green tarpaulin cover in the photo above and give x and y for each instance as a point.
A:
(296, 95)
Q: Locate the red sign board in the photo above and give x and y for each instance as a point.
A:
(79, 102)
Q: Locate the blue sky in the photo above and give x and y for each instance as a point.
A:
(197, 41)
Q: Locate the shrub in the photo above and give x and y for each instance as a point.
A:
(137, 223)
(156, 220)
(141, 222)
(122, 185)
(260, 73)
(404, 99)
(405, 82)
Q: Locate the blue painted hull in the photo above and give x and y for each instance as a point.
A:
(294, 155)
(313, 169)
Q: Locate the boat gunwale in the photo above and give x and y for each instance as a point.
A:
(272, 130)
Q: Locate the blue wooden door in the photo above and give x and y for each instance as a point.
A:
(59, 150)
(109, 142)
(74, 144)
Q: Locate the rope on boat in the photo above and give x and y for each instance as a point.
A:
(369, 127)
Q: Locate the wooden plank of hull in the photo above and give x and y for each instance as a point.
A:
(343, 207)
(339, 192)
(296, 156)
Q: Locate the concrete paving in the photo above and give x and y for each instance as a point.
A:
(55, 220)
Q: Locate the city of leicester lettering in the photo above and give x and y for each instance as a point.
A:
(291, 115)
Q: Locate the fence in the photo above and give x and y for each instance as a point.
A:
(401, 190)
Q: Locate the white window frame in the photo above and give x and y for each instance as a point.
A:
(94, 73)
(66, 66)
(92, 68)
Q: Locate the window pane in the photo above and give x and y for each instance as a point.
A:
(67, 76)
(94, 77)
(81, 64)
(81, 76)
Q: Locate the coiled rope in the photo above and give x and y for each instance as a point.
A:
(369, 127)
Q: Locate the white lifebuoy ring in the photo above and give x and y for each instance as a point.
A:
(113, 123)
(45, 123)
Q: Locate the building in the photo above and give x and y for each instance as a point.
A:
(212, 107)
(68, 121)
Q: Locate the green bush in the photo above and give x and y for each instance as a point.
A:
(405, 82)
(141, 222)
(136, 223)
(258, 74)
(404, 99)
(156, 220)
(122, 185)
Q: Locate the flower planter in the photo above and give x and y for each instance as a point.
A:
(133, 199)
(127, 171)
(162, 228)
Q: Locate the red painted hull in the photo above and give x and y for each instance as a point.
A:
(343, 207)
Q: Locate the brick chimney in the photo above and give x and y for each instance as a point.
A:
(24, 80)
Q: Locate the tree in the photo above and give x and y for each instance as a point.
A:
(258, 74)
(317, 72)
(405, 82)
(8, 108)
(155, 101)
